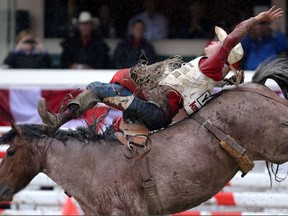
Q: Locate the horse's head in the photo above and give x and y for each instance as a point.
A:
(20, 164)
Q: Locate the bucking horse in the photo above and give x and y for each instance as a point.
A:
(186, 161)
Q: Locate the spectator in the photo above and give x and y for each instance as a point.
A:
(156, 24)
(197, 24)
(106, 28)
(84, 49)
(29, 53)
(264, 41)
(129, 50)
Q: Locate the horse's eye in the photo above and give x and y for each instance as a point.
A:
(10, 153)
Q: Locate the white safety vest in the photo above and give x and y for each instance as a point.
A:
(194, 87)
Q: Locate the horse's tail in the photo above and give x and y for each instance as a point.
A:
(277, 70)
(273, 68)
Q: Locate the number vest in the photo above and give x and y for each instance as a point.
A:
(194, 87)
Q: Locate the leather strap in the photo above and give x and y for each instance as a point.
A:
(121, 138)
(138, 146)
(219, 134)
(153, 201)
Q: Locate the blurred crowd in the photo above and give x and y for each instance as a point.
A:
(84, 46)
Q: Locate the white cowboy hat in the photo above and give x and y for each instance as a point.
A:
(236, 53)
(85, 17)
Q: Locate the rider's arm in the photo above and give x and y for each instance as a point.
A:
(212, 66)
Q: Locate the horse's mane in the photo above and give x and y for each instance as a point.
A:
(37, 131)
(83, 134)
(277, 70)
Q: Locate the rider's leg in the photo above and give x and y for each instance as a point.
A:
(134, 108)
(112, 94)
(149, 113)
(94, 93)
(75, 108)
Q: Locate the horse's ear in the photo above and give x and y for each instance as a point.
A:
(16, 128)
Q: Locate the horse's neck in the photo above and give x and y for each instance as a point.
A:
(65, 164)
(76, 167)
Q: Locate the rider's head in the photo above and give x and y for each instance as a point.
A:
(236, 53)
(212, 48)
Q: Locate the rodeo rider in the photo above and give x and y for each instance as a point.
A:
(153, 94)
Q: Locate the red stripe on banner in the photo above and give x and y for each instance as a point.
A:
(5, 205)
(54, 98)
(5, 113)
(2, 154)
(95, 114)
(228, 184)
(220, 213)
(188, 213)
(278, 92)
(224, 198)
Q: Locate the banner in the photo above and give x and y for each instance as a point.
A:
(20, 106)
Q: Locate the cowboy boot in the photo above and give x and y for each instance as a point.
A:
(75, 108)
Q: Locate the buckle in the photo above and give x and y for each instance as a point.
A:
(149, 183)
